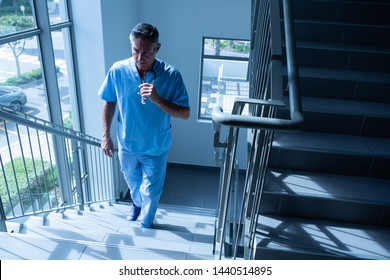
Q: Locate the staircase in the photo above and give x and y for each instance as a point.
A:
(101, 232)
(327, 194)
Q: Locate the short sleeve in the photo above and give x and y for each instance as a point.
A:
(107, 89)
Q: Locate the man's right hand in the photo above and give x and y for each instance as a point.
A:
(107, 145)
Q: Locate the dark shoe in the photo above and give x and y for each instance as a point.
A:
(133, 213)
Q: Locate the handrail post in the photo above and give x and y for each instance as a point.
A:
(77, 174)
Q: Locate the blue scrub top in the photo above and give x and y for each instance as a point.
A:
(143, 128)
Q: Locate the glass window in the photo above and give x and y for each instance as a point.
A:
(21, 64)
(65, 77)
(15, 16)
(223, 75)
(57, 10)
(21, 78)
(33, 63)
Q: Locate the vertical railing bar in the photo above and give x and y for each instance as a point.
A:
(34, 167)
(109, 177)
(96, 172)
(8, 192)
(258, 146)
(227, 187)
(76, 162)
(69, 169)
(105, 166)
(91, 176)
(100, 177)
(93, 173)
(43, 169)
(257, 192)
(72, 168)
(263, 56)
(260, 187)
(88, 173)
(86, 165)
(256, 54)
(262, 53)
(104, 182)
(56, 189)
(25, 169)
(254, 167)
(5, 177)
(3, 216)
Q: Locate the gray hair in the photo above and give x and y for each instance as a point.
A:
(145, 31)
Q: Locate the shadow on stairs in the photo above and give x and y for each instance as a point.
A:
(102, 233)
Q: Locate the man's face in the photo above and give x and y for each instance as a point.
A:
(144, 53)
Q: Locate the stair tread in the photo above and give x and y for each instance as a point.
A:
(113, 219)
(348, 75)
(323, 237)
(328, 186)
(161, 239)
(104, 233)
(335, 143)
(345, 107)
(32, 247)
(341, 47)
(368, 12)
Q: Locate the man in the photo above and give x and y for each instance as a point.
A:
(148, 91)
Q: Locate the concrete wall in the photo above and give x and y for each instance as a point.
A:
(102, 28)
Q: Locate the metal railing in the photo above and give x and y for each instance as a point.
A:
(46, 167)
(266, 96)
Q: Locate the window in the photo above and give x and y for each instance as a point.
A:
(223, 74)
(36, 78)
(38, 59)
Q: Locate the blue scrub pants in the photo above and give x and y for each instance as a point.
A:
(145, 176)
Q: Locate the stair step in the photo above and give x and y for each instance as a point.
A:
(292, 238)
(162, 238)
(363, 12)
(343, 58)
(28, 247)
(321, 185)
(339, 84)
(331, 153)
(177, 233)
(327, 196)
(372, 36)
(349, 117)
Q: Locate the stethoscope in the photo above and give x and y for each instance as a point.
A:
(144, 79)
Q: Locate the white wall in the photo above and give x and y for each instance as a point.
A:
(102, 29)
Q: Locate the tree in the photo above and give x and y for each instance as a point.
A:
(11, 24)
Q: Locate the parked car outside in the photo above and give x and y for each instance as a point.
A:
(12, 97)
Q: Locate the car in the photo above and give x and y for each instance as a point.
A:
(12, 97)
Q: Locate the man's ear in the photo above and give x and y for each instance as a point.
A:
(157, 47)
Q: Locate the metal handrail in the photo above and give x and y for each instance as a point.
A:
(296, 120)
(40, 124)
(85, 175)
(263, 121)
